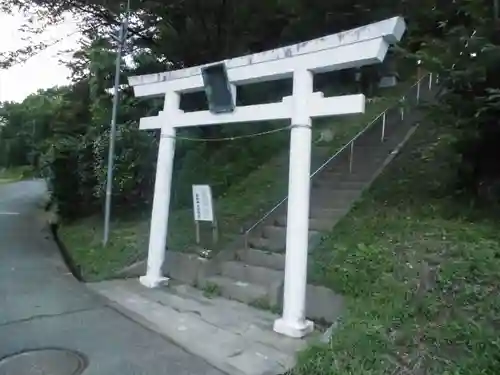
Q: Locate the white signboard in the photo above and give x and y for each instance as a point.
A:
(202, 203)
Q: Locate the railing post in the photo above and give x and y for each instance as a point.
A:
(382, 137)
(418, 91)
(351, 156)
(402, 108)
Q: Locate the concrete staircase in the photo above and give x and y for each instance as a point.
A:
(255, 274)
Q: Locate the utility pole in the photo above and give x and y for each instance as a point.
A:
(122, 36)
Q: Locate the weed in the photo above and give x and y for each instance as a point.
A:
(263, 304)
(211, 290)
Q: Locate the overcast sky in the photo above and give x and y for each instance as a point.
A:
(41, 71)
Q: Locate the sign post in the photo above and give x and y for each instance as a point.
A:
(353, 48)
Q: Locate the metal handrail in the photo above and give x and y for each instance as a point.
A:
(348, 144)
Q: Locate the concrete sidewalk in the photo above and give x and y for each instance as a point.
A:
(235, 338)
(43, 306)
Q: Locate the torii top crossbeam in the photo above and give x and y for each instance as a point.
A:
(333, 52)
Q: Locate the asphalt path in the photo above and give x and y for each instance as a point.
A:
(43, 306)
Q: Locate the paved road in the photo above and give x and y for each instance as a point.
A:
(42, 305)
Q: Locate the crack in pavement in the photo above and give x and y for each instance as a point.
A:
(43, 316)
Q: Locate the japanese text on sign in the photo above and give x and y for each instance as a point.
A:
(202, 203)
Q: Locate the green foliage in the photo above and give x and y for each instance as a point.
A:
(211, 290)
(230, 162)
(464, 49)
(160, 31)
(64, 132)
(14, 174)
(66, 176)
(135, 154)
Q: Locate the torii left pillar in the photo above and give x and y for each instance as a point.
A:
(161, 202)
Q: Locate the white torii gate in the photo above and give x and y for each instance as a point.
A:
(357, 47)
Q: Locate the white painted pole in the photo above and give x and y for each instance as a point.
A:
(293, 322)
(430, 81)
(351, 156)
(384, 119)
(418, 92)
(161, 201)
(122, 36)
(403, 108)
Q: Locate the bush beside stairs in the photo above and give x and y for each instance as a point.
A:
(254, 273)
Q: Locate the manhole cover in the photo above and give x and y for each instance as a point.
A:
(43, 362)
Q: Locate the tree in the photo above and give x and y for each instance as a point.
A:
(464, 48)
(71, 124)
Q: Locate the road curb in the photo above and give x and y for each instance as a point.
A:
(65, 254)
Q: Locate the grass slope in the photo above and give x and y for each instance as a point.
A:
(240, 206)
(420, 273)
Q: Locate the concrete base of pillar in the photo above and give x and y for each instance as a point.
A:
(153, 282)
(296, 331)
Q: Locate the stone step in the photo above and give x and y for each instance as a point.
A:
(277, 233)
(334, 199)
(261, 258)
(251, 274)
(370, 141)
(374, 140)
(362, 163)
(392, 134)
(277, 243)
(326, 213)
(371, 154)
(370, 144)
(365, 160)
(266, 244)
(316, 224)
(321, 152)
(337, 184)
(357, 175)
(326, 193)
(395, 136)
(331, 204)
(237, 290)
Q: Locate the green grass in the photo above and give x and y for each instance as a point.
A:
(83, 240)
(420, 272)
(14, 174)
(211, 290)
(236, 210)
